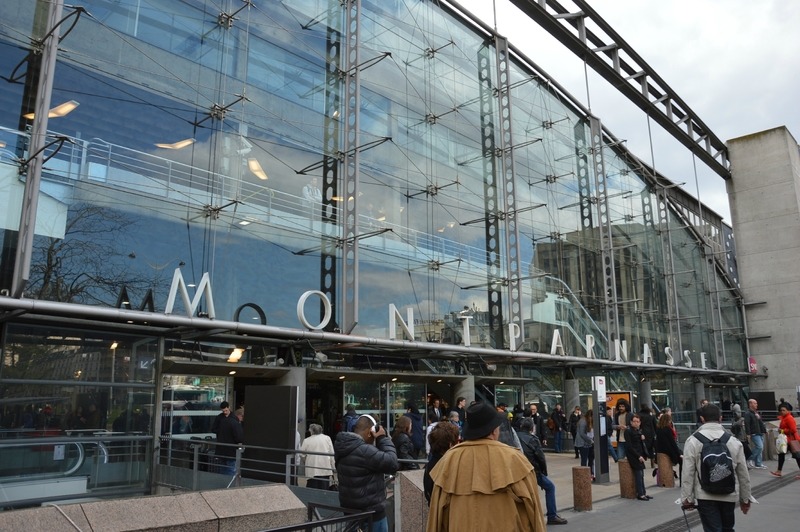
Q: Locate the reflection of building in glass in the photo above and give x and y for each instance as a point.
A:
(450, 176)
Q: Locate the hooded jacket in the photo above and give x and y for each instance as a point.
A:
(361, 467)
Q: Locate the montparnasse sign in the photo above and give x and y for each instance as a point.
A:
(203, 292)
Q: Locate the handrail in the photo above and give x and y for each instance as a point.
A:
(78, 462)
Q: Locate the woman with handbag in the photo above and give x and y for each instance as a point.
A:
(788, 428)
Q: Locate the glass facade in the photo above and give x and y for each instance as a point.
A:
(381, 153)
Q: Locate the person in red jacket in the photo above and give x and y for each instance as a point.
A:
(788, 427)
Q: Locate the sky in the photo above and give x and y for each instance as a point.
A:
(735, 63)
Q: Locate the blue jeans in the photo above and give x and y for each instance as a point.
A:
(611, 451)
(758, 448)
(620, 450)
(638, 476)
(381, 526)
(559, 439)
(587, 458)
(549, 494)
(227, 466)
(716, 516)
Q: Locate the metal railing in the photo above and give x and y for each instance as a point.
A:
(56, 465)
(330, 519)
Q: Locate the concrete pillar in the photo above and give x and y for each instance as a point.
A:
(645, 395)
(297, 377)
(699, 392)
(465, 388)
(665, 477)
(582, 489)
(627, 484)
(572, 395)
(572, 399)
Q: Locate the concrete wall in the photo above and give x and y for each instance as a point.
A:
(764, 194)
(238, 509)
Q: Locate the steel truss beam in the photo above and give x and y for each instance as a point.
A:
(621, 66)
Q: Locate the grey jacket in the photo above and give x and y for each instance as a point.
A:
(582, 436)
(690, 478)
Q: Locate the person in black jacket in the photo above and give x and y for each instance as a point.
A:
(533, 452)
(636, 453)
(417, 427)
(363, 457)
(402, 443)
(228, 431)
(648, 428)
(574, 418)
(665, 442)
(559, 419)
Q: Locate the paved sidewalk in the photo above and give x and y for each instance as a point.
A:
(776, 511)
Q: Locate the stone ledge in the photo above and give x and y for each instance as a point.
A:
(236, 509)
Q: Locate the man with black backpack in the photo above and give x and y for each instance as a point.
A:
(715, 475)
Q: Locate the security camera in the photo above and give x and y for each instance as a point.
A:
(764, 370)
(491, 368)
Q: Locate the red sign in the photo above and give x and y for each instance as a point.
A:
(753, 364)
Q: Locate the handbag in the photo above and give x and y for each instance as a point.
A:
(794, 446)
(781, 443)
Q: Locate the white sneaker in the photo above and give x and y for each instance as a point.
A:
(750, 464)
(762, 467)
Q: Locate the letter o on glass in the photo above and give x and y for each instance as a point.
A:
(301, 309)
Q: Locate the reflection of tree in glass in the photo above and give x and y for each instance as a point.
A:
(86, 266)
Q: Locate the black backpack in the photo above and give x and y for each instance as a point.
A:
(716, 465)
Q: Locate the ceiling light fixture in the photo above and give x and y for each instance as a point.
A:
(232, 372)
(245, 222)
(175, 145)
(254, 166)
(58, 111)
(114, 345)
(236, 354)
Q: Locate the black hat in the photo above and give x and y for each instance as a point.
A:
(482, 419)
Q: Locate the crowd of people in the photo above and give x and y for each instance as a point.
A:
(484, 464)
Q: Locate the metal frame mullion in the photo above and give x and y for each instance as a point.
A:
(350, 166)
(330, 165)
(488, 146)
(509, 195)
(605, 231)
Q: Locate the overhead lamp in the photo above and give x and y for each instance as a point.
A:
(58, 111)
(341, 377)
(438, 380)
(245, 222)
(232, 372)
(175, 145)
(254, 166)
(502, 382)
(236, 354)
(2, 144)
(394, 379)
(114, 345)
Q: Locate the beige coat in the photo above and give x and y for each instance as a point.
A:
(318, 465)
(484, 485)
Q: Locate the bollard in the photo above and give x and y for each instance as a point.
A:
(666, 479)
(627, 484)
(582, 489)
